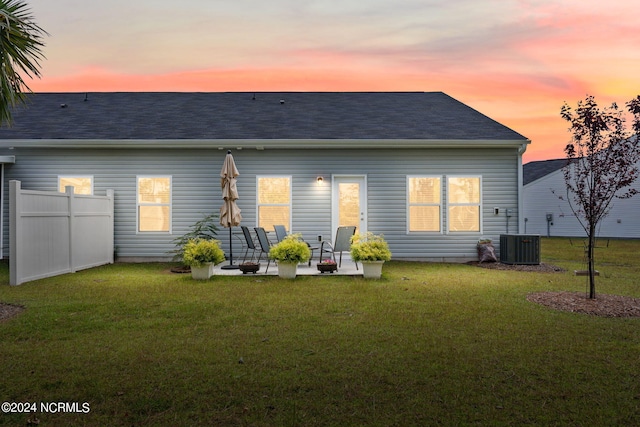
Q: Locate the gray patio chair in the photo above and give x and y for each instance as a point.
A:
(250, 244)
(265, 245)
(340, 244)
(281, 233)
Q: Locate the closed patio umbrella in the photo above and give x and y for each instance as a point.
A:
(229, 212)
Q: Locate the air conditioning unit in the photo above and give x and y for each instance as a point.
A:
(520, 249)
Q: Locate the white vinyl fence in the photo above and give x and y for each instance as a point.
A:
(54, 233)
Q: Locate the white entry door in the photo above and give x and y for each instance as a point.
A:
(349, 202)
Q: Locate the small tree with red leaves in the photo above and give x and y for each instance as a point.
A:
(602, 164)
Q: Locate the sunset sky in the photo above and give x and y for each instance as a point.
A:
(516, 61)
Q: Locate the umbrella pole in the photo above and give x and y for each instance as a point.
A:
(230, 266)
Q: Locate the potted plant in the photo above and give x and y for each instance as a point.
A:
(372, 251)
(206, 228)
(327, 265)
(289, 252)
(201, 255)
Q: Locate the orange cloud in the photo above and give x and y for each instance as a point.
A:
(267, 79)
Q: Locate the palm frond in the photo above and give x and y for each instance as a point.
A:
(21, 43)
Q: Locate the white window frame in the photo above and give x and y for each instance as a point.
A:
(450, 204)
(69, 176)
(170, 204)
(290, 204)
(440, 205)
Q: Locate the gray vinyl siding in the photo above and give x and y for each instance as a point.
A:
(538, 200)
(196, 190)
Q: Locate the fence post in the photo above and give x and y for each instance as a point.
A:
(72, 217)
(110, 195)
(15, 232)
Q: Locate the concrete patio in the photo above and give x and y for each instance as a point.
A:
(348, 268)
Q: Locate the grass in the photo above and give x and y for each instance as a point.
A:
(428, 344)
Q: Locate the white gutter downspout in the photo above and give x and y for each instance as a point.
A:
(521, 151)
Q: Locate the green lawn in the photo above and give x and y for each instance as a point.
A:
(428, 344)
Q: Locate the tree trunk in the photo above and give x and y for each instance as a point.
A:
(591, 262)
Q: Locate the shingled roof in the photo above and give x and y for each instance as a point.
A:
(533, 171)
(255, 116)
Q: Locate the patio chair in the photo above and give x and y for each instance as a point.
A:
(340, 244)
(281, 233)
(250, 244)
(265, 245)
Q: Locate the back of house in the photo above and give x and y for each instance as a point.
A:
(429, 172)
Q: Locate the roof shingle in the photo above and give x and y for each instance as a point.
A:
(262, 115)
(533, 171)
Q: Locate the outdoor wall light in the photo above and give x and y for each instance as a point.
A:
(320, 180)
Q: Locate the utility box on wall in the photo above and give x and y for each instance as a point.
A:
(520, 249)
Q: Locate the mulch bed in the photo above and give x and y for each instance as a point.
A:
(575, 302)
(538, 268)
(181, 269)
(578, 302)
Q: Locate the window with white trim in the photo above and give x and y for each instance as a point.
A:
(463, 203)
(274, 201)
(82, 184)
(154, 203)
(424, 203)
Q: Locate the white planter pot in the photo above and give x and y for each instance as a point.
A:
(202, 273)
(372, 269)
(287, 270)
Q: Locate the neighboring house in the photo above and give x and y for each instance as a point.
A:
(546, 214)
(430, 173)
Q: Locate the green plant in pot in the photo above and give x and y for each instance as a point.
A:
(206, 228)
(290, 252)
(201, 255)
(372, 250)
